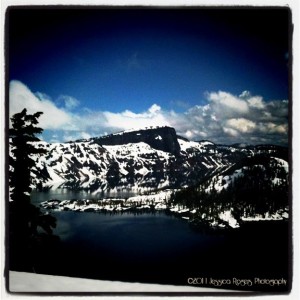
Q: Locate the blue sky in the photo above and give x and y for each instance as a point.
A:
(105, 70)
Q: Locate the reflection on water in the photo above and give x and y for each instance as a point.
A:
(121, 186)
(67, 194)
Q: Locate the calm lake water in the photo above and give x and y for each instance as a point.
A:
(67, 194)
(159, 248)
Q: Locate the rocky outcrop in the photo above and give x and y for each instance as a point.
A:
(159, 138)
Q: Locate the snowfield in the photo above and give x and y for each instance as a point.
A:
(30, 282)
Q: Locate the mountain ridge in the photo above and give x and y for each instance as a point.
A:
(91, 165)
(160, 138)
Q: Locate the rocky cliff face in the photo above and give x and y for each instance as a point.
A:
(159, 138)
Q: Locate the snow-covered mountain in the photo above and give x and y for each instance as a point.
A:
(152, 158)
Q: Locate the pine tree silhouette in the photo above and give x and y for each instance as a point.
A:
(24, 218)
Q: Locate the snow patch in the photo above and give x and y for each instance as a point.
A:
(228, 217)
(31, 282)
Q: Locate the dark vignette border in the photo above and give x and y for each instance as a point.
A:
(290, 150)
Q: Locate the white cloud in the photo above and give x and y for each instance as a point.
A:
(70, 102)
(270, 127)
(154, 109)
(231, 132)
(21, 97)
(223, 118)
(245, 95)
(130, 120)
(256, 102)
(227, 101)
(241, 124)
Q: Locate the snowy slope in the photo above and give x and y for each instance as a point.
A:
(275, 173)
(70, 162)
(21, 282)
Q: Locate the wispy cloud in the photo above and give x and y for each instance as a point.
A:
(69, 101)
(224, 118)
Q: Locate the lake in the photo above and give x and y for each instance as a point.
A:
(64, 193)
(160, 248)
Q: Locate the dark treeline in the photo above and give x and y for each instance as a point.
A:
(261, 187)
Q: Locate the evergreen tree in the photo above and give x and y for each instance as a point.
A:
(23, 132)
(24, 218)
